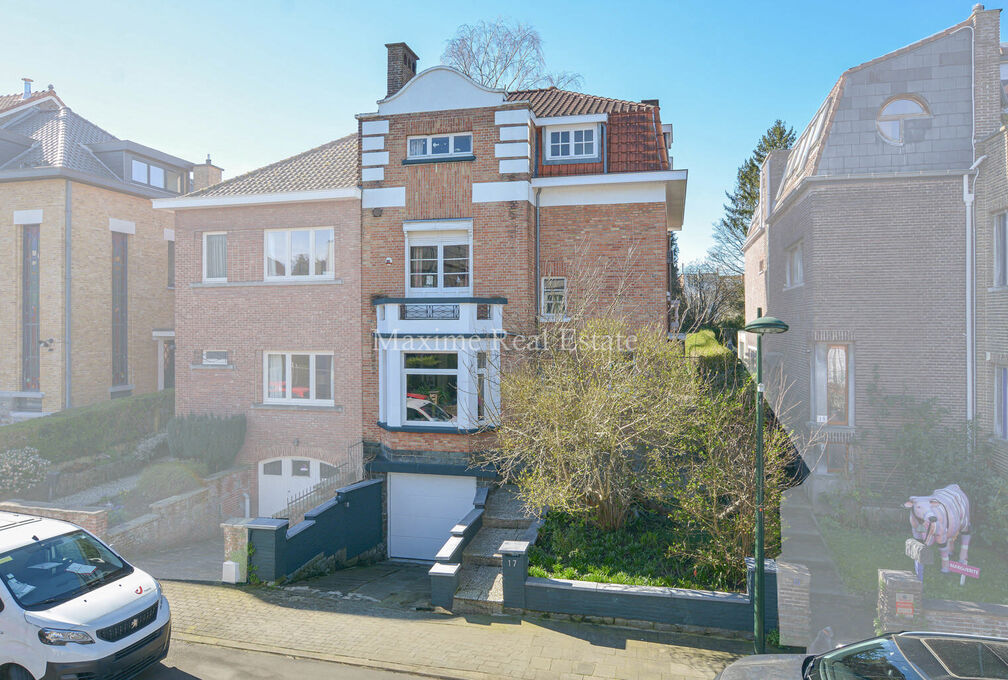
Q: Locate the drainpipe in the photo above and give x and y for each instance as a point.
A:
(537, 283)
(968, 199)
(605, 150)
(67, 276)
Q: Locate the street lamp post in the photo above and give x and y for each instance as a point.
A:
(761, 326)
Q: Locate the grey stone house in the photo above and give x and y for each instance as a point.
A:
(880, 239)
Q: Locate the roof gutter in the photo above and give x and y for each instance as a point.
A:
(195, 202)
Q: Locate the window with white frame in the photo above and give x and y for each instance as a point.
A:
(439, 262)
(1001, 250)
(430, 394)
(298, 378)
(1001, 402)
(553, 296)
(482, 386)
(794, 269)
(215, 256)
(215, 357)
(833, 394)
(299, 253)
(571, 143)
(439, 146)
(155, 176)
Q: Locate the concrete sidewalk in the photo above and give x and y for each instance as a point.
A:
(363, 631)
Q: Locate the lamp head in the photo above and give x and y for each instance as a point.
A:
(766, 324)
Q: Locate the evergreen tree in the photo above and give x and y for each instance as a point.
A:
(730, 232)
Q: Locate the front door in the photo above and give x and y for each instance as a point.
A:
(168, 364)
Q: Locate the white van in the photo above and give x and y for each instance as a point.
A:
(71, 609)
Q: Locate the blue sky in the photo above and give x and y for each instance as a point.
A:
(253, 82)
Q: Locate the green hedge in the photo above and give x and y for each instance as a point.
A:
(214, 440)
(718, 364)
(91, 430)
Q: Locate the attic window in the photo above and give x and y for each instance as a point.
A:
(893, 114)
(440, 146)
(571, 143)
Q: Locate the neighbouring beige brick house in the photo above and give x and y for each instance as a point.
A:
(876, 240)
(86, 270)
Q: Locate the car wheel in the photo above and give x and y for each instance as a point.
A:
(18, 673)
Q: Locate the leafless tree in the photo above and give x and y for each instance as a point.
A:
(504, 54)
(709, 296)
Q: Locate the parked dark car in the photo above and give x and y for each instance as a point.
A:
(895, 656)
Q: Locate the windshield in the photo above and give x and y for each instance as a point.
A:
(872, 660)
(46, 573)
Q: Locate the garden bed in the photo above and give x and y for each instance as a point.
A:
(859, 553)
(649, 550)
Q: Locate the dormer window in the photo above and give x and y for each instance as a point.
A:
(571, 143)
(893, 115)
(430, 147)
(155, 176)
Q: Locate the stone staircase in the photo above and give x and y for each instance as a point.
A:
(851, 616)
(480, 587)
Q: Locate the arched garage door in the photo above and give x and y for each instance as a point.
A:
(422, 511)
(282, 478)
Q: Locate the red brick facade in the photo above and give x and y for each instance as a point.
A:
(248, 317)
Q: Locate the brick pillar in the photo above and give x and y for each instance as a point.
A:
(899, 600)
(793, 603)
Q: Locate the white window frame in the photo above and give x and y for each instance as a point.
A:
(311, 246)
(548, 146)
(451, 146)
(547, 316)
(439, 239)
(1000, 250)
(215, 361)
(208, 279)
(484, 386)
(288, 398)
(819, 412)
(792, 254)
(403, 372)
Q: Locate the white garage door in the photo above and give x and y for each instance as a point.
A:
(281, 479)
(422, 511)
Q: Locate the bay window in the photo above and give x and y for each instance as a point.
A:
(299, 253)
(431, 388)
(298, 378)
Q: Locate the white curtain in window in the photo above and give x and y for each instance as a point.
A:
(216, 254)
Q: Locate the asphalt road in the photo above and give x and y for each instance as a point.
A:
(187, 661)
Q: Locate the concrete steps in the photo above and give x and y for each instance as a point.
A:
(482, 549)
(480, 588)
(481, 591)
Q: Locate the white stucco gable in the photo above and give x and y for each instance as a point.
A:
(440, 88)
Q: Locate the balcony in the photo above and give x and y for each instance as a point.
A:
(440, 316)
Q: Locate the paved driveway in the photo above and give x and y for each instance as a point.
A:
(368, 617)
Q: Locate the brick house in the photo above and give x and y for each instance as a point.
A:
(86, 273)
(477, 206)
(267, 314)
(879, 238)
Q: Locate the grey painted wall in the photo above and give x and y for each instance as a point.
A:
(938, 72)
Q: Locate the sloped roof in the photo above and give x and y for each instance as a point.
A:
(552, 101)
(330, 166)
(12, 101)
(60, 138)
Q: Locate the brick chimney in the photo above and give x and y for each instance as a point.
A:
(402, 63)
(205, 175)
